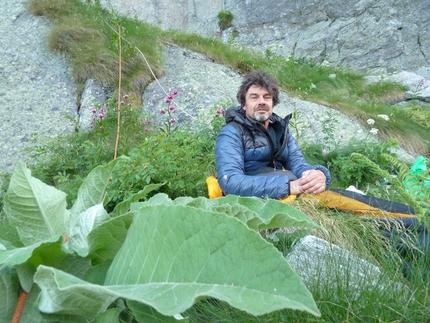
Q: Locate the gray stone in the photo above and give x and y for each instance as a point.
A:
(93, 96)
(327, 267)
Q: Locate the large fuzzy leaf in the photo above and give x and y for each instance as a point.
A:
(124, 206)
(21, 255)
(87, 212)
(192, 253)
(82, 226)
(255, 212)
(92, 190)
(31, 313)
(9, 286)
(106, 239)
(175, 255)
(9, 237)
(37, 210)
(145, 313)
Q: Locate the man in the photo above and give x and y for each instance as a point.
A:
(255, 153)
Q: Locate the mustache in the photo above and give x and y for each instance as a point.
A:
(259, 107)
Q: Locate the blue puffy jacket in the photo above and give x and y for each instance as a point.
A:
(244, 148)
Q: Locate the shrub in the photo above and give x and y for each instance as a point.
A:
(225, 19)
(182, 159)
(343, 169)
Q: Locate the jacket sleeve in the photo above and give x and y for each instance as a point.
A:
(229, 157)
(297, 163)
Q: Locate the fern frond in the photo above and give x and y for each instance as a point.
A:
(395, 182)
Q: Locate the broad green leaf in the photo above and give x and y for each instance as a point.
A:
(97, 274)
(27, 259)
(256, 213)
(110, 316)
(92, 190)
(192, 253)
(32, 314)
(37, 210)
(63, 293)
(106, 239)
(157, 199)
(82, 225)
(145, 313)
(124, 206)
(175, 255)
(9, 287)
(9, 237)
(21, 255)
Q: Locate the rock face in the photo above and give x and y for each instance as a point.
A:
(37, 93)
(377, 35)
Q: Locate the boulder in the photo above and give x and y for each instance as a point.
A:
(326, 267)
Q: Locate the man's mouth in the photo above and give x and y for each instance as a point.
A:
(262, 109)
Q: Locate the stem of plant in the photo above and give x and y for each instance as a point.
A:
(19, 307)
(119, 91)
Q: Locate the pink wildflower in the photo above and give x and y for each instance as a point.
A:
(172, 120)
(162, 111)
(168, 99)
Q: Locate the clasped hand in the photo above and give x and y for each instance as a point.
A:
(312, 181)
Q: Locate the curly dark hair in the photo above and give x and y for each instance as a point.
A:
(259, 78)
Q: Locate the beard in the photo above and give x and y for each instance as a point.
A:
(261, 117)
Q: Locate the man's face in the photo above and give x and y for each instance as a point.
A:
(258, 104)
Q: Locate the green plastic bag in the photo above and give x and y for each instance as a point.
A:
(419, 167)
(414, 182)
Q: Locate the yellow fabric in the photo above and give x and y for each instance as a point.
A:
(289, 199)
(214, 190)
(327, 199)
(337, 201)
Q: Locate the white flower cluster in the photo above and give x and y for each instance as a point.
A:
(383, 116)
(373, 131)
(370, 121)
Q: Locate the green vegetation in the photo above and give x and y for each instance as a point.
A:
(88, 222)
(225, 19)
(73, 259)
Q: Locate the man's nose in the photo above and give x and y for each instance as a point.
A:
(261, 100)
